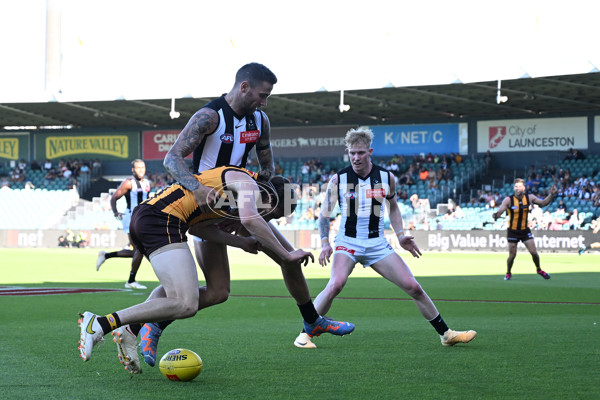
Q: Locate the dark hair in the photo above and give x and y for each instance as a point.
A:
(137, 160)
(284, 197)
(254, 74)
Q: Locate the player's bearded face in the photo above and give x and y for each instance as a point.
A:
(519, 188)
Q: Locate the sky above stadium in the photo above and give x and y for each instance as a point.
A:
(144, 49)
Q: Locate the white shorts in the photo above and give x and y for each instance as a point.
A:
(125, 220)
(364, 251)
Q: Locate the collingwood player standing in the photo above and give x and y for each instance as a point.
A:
(362, 190)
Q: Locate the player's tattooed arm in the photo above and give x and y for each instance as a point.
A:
(204, 122)
(331, 197)
(264, 151)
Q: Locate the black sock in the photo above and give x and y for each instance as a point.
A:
(164, 324)
(309, 312)
(439, 324)
(135, 328)
(131, 277)
(109, 322)
(110, 255)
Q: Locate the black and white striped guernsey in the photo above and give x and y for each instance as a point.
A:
(231, 142)
(139, 192)
(362, 202)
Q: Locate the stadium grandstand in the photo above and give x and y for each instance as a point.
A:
(57, 181)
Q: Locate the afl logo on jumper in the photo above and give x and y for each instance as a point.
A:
(227, 138)
(350, 195)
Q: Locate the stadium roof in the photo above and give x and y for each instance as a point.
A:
(527, 98)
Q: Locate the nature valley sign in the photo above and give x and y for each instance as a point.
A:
(9, 148)
(14, 147)
(118, 146)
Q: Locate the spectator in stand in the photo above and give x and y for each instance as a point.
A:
(547, 219)
(536, 182)
(449, 212)
(575, 220)
(487, 158)
(458, 213)
(96, 168)
(393, 168)
(585, 192)
(561, 206)
(35, 166)
(22, 165)
(438, 225)
(278, 169)
(536, 215)
(47, 165)
(458, 158)
(84, 169)
(423, 174)
(403, 195)
(305, 170)
(17, 176)
(429, 158)
(308, 215)
(406, 179)
(4, 182)
(596, 196)
(50, 177)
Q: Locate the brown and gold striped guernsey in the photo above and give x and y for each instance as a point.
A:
(179, 201)
(518, 212)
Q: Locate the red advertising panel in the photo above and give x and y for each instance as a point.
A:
(156, 144)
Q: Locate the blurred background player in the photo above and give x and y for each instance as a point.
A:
(518, 206)
(135, 189)
(595, 245)
(362, 190)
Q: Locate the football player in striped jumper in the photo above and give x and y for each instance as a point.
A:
(363, 190)
(135, 189)
(222, 133)
(518, 206)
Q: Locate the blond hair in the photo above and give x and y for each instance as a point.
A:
(362, 134)
(519, 180)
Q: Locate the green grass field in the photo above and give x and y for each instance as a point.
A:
(536, 339)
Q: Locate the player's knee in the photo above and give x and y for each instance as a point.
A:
(217, 296)
(335, 287)
(414, 289)
(186, 308)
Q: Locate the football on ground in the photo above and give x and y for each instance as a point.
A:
(180, 365)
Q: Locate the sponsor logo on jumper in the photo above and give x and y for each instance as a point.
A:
(375, 193)
(249, 136)
(227, 138)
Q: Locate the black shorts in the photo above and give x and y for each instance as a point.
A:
(514, 236)
(152, 229)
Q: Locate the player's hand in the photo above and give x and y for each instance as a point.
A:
(251, 245)
(325, 255)
(408, 244)
(495, 216)
(553, 190)
(230, 225)
(300, 256)
(119, 216)
(205, 197)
